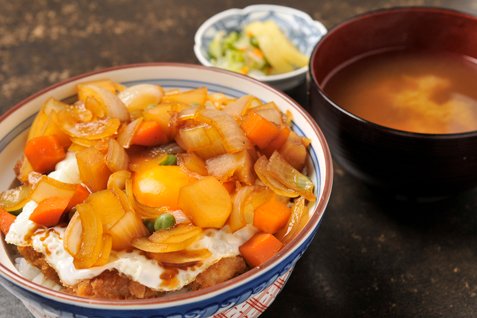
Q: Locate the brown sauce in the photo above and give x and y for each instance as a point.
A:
(169, 276)
(417, 91)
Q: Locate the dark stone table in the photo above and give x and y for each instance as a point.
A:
(371, 257)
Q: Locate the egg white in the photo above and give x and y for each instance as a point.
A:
(221, 243)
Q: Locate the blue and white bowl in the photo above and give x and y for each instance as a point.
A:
(251, 292)
(299, 27)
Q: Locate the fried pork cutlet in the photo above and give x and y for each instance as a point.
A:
(112, 285)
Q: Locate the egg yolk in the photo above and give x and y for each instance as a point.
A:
(160, 186)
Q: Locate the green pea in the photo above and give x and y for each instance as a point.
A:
(170, 160)
(164, 221)
(149, 223)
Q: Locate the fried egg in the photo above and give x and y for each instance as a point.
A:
(131, 263)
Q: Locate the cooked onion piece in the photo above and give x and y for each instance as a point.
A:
(237, 166)
(15, 199)
(175, 234)
(126, 229)
(290, 177)
(126, 133)
(138, 97)
(115, 108)
(181, 257)
(297, 221)
(261, 168)
(91, 239)
(232, 135)
(117, 158)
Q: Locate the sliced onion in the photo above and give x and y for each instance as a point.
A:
(192, 164)
(181, 257)
(193, 96)
(117, 158)
(236, 220)
(105, 83)
(130, 226)
(217, 99)
(233, 137)
(193, 137)
(144, 244)
(297, 221)
(176, 234)
(127, 132)
(115, 108)
(237, 165)
(91, 239)
(172, 92)
(215, 149)
(95, 107)
(73, 233)
(166, 115)
(15, 199)
(189, 113)
(261, 168)
(239, 107)
(48, 187)
(290, 177)
(138, 97)
(105, 250)
(119, 179)
(293, 151)
(23, 168)
(79, 110)
(102, 128)
(84, 142)
(272, 115)
(107, 207)
(123, 197)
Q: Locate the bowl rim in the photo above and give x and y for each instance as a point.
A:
(227, 285)
(262, 7)
(380, 11)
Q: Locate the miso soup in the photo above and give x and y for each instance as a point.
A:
(424, 92)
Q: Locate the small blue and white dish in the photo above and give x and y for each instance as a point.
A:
(296, 25)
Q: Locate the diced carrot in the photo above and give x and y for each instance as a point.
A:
(280, 139)
(149, 133)
(49, 211)
(257, 52)
(271, 216)
(44, 153)
(80, 195)
(259, 130)
(6, 220)
(268, 151)
(260, 248)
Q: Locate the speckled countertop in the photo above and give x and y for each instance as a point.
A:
(370, 258)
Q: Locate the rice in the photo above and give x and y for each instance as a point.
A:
(34, 274)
